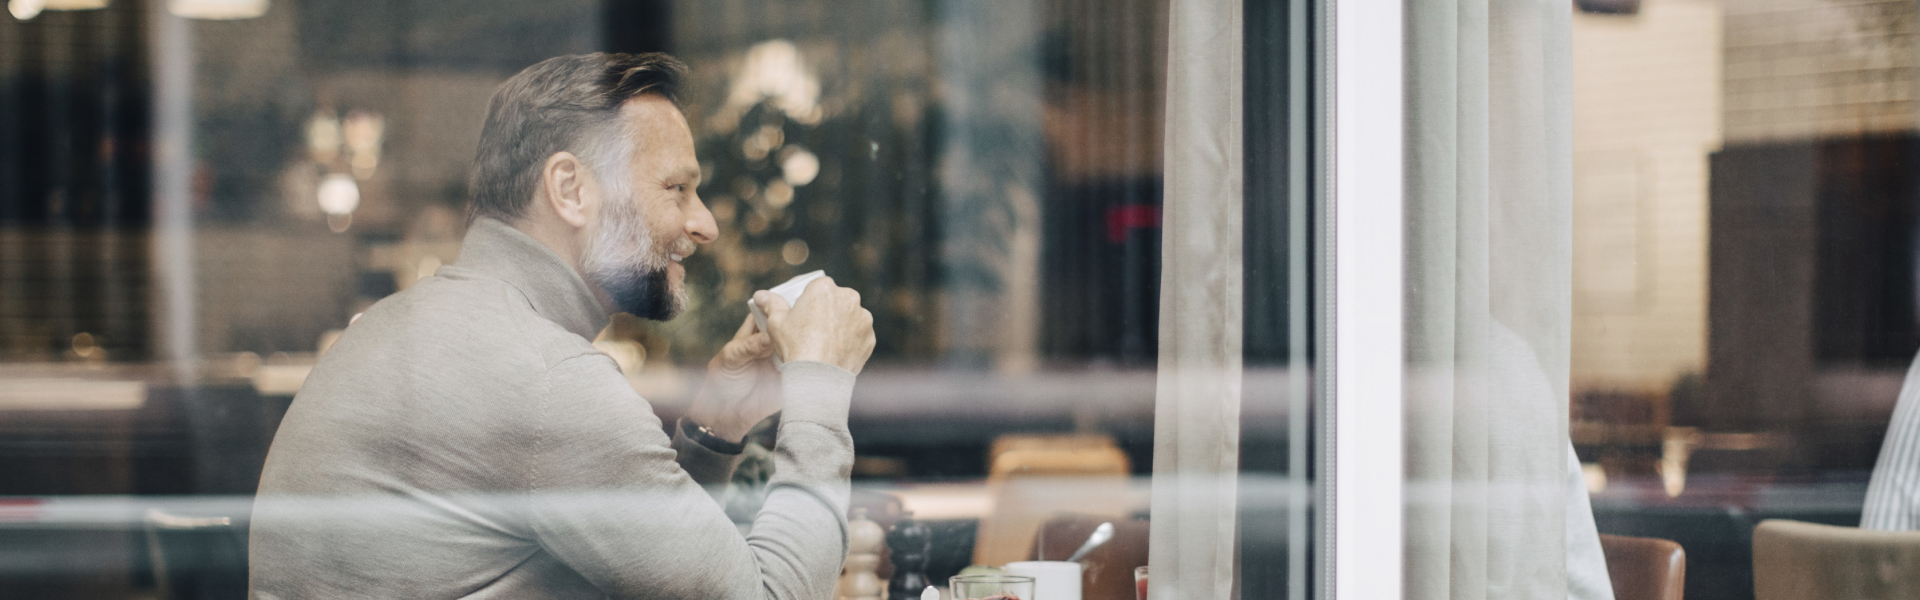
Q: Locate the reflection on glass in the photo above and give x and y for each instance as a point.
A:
(198, 197)
(1743, 283)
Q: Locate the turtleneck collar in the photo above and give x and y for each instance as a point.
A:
(495, 249)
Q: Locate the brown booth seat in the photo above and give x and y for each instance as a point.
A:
(1107, 571)
(1644, 568)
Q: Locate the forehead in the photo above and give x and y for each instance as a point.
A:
(657, 126)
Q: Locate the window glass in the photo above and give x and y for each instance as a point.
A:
(1743, 273)
(198, 198)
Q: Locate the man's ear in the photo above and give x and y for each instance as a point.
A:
(563, 181)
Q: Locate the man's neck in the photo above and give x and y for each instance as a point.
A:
(564, 240)
(555, 234)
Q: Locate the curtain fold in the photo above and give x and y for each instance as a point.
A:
(1488, 239)
(1191, 547)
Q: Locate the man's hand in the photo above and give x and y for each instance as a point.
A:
(733, 399)
(827, 325)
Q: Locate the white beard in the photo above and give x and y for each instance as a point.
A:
(621, 259)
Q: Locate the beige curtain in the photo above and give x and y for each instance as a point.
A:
(1197, 416)
(1197, 411)
(1488, 236)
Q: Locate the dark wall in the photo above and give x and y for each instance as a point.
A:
(1864, 311)
(1761, 231)
(74, 115)
(1811, 270)
(1101, 263)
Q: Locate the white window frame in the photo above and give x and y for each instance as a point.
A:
(1362, 448)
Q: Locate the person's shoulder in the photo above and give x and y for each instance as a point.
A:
(487, 315)
(462, 319)
(507, 308)
(457, 289)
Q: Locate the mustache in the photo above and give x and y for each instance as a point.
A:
(684, 247)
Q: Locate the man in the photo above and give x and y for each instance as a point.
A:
(463, 439)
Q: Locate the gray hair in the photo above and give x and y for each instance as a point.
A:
(563, 104)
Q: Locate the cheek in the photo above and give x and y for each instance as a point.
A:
(663, 221)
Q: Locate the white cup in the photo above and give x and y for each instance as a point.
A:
(1052, 579)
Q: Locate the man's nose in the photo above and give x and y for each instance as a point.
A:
(700, 224)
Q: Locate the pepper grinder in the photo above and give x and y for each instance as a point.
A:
(912, 543)
(860, 581)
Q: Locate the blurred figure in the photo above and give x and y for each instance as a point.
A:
(464, 439)
(1893, 495)
(1514, 360)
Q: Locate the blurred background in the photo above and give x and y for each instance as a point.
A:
(1744, 263)
(197, 196)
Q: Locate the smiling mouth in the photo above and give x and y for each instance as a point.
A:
(684, 249)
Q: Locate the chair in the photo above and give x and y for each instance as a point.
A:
(1806, 561)
(1036, 476)
(196, 557)
(1644, 568)
(1069, 452)
(1108, 570)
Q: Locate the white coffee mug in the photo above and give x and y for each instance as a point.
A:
(1052, 579)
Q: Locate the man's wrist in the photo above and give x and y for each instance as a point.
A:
(720, 422)
(709, 438)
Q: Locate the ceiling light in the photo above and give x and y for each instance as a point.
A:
(799, 167)
(338, 194)
(323, 136)
(217, 10)
(26, 9)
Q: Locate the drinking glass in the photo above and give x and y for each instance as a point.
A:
(991, 587)
(1140, 583)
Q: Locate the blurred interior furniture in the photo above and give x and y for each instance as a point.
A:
(1645, 568)
(1054, 454)
(1688, 448)
(945, 499)
(196, 558)
(1627, 432)
(1615, 417)
(1107, 571)
(1036, 476)
(1794, 560)
(1635, 435)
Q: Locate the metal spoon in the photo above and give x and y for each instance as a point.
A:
(1100, 536)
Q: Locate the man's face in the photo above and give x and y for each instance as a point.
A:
(650, 218)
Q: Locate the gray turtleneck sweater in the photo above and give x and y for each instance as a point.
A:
(463, 439)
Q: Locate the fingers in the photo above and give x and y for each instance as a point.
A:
(772, 305)
(758, 346)
(843, 299)
(738, 353)
(825, 289)
(818, 285)
(827, 324)
(748, 345)
(754, 343)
